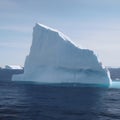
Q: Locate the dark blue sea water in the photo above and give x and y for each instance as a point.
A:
(20, 101)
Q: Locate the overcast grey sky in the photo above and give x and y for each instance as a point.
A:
(94, 24)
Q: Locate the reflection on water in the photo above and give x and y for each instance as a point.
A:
(44, 102)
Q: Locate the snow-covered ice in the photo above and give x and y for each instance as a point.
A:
(53, 58)
(14, 67)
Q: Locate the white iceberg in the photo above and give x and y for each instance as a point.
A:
(13, 67)
(53, 58)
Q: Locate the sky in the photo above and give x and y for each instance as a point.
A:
(93, 24)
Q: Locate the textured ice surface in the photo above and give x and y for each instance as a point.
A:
(53, 58)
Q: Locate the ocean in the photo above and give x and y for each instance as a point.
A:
(28, 101)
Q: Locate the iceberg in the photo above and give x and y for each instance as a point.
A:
(54, 58)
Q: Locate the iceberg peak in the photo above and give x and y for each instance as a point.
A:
(41, 26)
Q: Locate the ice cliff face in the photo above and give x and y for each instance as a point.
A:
(53, 58)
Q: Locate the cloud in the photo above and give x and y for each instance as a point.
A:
(17, 44)
(17, 28)
(7, 4)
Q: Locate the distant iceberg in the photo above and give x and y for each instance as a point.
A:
(13, 67)
(53, 58)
